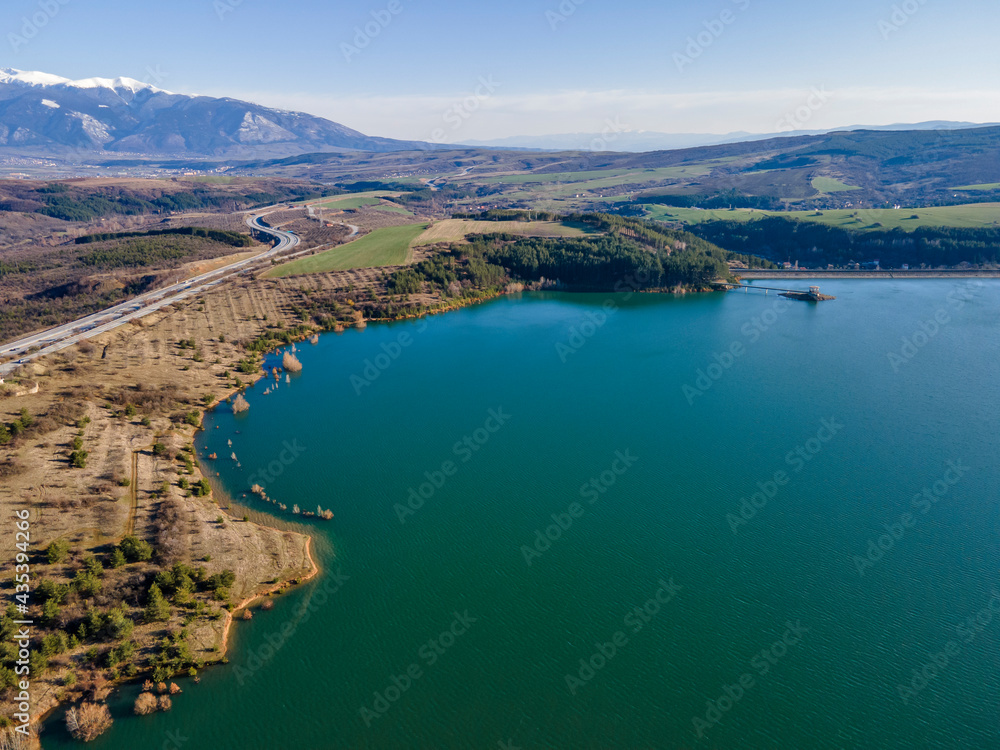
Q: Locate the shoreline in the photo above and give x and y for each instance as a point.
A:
(314, 569)
(275, 588)
(910, 275)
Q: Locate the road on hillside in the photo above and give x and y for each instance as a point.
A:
(68, 334)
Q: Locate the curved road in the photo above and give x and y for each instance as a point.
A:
(63, 336)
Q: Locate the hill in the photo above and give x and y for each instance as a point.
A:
(47, 115)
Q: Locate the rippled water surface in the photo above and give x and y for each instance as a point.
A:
(611, 443)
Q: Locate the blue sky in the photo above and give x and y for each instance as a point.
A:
(550, 66)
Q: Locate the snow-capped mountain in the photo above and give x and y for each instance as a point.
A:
(44, 113)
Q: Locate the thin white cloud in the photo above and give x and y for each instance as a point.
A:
(462, 116)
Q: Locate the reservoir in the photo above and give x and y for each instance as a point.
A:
(609, 521)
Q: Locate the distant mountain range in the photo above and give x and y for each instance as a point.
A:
(634, 141)
(101, 118)
(56, 117)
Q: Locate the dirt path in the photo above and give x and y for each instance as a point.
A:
(133, 510)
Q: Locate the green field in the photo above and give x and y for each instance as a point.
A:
(347, 204)
(830, 185)
(383, 247)
(699, 215)
(455, 230)
(967, 215)
(393, 209)
(983, 186)
(350, 201)
(602, 177)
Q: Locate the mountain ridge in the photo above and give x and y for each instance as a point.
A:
(49, 115)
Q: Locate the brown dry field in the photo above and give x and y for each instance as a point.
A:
(88, 508)
(141, 363)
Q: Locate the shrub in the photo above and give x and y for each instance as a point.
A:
(48, 589)
(248, 366)
(78, 459)
(145, 704)
(118, 625)
(88, 721)
(93, 566)
(135, 549)
(87, 584)
(50, 612)
(157, 608)
(222, 580)
(57, 551)
(240, 404)
(55, 643)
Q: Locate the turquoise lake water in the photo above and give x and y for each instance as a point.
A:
(611, 442)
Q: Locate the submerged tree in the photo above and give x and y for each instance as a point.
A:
(88, 721)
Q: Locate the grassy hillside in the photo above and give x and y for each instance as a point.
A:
(455, 230)
(823, 171)
(383, 247)
(962, 216)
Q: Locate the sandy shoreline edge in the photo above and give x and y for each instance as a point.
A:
(276, 588)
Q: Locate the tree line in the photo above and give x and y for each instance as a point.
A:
(628, 255)
(818, 245)
(218, 235)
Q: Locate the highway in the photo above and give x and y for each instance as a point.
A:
(68, 334)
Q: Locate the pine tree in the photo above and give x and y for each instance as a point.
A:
(157, 609)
